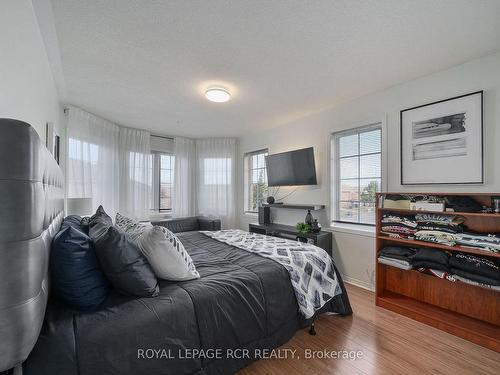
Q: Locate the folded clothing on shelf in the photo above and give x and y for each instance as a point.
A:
(398, 263)
(409, 258)
(476, 268)
(399, 219)
(452, 221)
(434, 228)
(439, 228)
(463, 204)
(398, 229)
(436, 236)
(398, 252)
(472, 282)
(431, 258)
(437, 273)
(454, 277)
(403, 226)
(475, 277)
(487, 242)
(396, 256)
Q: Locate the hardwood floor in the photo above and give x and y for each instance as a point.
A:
(390, 344)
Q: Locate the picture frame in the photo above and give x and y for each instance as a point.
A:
(437, 137)
(52, 141)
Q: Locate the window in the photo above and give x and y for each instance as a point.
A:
(357, 174)
(163, 180)
(255, 176)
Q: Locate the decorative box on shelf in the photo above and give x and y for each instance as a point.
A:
(427, 206)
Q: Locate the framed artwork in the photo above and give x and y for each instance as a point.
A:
(442, 142)
(52, 141)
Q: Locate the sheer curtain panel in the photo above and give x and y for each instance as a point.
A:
(93, 161)
(136, 173)
(216, 179)
(184, 192)
(108, 163)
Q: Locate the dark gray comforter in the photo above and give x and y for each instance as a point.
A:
(241, 301)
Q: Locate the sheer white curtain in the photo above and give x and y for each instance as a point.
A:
(216, 179)
(135, 173)
(184, 192)
(92, 167)
(108, 163)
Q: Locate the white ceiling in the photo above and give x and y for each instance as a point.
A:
(146, 63)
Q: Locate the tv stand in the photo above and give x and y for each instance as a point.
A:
(321, 239)
(312, 207)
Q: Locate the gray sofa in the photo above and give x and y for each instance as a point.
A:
(188, 224)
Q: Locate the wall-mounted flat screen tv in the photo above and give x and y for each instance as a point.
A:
(291, 168)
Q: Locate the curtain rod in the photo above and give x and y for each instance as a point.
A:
(162, 136)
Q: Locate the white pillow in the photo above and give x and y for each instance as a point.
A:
(166, 255)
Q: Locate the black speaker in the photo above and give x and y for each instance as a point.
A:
(264, 215)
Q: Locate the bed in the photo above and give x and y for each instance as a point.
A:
(31, 212)
(241, 301)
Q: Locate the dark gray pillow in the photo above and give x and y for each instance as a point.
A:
(84, 224)
(99, 224)
(124, 265)
(121, 260)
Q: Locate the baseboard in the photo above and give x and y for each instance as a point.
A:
(359, 283)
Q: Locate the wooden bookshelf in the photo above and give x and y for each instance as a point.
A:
(468, 311)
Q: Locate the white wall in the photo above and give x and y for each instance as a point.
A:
(354, 253)
(27, 89)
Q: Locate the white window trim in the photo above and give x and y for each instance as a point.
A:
(355, 228)
(246, 178)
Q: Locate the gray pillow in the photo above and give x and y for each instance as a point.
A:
(130, 226)
(167, 256)
(165, 253)
(121, 261)
(99, 223)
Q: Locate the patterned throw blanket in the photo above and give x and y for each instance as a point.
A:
(311, 269)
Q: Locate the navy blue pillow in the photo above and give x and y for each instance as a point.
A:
(75, 221)
(76, 276)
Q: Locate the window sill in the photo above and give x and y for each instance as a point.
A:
(251, 214)
(360, 230)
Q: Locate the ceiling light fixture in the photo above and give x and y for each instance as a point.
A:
(217, 94)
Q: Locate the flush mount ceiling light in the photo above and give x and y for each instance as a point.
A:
(217, 94)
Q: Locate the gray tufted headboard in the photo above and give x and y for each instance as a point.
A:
(31, 212)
